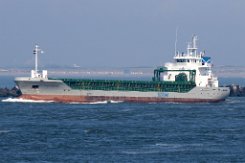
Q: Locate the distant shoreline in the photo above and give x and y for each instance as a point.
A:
(221, 72)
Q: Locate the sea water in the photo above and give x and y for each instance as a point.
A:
(32, 131)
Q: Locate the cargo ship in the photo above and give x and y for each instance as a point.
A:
(188, 79)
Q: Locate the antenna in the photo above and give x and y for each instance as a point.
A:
(176, 40)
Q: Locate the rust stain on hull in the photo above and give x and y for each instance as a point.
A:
(87, 99)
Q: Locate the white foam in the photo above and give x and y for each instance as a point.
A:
(115, 102)
(20, 100)
(104, 102)
(97, 102)
(92, 103)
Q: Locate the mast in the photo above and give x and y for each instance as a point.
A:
(192, 46)
(36, 52)
(176, 40)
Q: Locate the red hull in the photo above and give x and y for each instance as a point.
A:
(86, 99)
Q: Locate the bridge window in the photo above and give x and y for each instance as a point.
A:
(182, 60)
(35, 86)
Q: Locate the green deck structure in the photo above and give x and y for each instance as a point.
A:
(181, 83)
(124, 85)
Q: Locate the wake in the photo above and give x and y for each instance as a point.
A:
(20, 100)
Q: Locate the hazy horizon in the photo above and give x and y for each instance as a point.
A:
(113, 33)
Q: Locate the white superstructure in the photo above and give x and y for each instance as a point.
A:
(192, 60)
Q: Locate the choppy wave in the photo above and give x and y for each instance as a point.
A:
(140, 152)
(4, 131)
(177, 145)
(20, 100)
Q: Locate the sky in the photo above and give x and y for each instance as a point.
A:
(119, 33)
